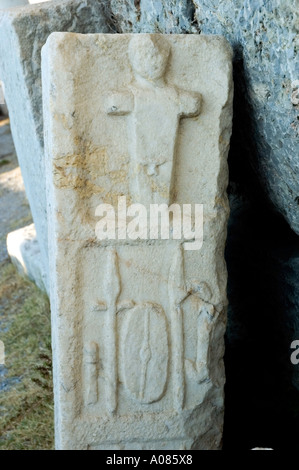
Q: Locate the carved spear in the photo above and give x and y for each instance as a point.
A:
(177, 293)
(113, 291)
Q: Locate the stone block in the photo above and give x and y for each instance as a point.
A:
(138, 320)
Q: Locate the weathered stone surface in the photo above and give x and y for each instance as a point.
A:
(24, 252)
(138, 324)
(23, 32)
(264, 36)
(165, 16)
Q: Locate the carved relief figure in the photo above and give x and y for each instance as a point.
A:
(154, 110)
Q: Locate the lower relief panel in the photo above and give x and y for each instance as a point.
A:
(146, 348)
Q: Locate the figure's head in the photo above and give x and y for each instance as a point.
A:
(149, 55)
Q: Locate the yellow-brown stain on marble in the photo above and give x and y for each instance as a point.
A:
(80, 171)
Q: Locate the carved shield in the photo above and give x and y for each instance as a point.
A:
(146, 352)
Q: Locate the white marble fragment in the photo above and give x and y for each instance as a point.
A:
(23, 249)
(138, 323)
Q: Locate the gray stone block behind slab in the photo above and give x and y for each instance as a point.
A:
(23, 32)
